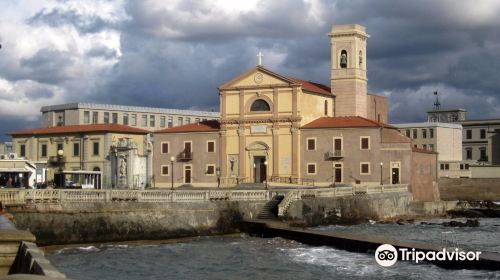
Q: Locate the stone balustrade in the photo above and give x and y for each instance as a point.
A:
(28, 196)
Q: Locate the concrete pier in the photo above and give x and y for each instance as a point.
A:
(359, 243)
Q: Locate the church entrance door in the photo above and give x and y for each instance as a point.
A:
(260, 171)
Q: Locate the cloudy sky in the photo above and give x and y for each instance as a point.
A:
(175, 53)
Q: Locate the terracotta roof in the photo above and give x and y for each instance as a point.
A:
(418, 150)
(394, 136)
(314, 87)
(79, 129)
(204, 126)
(344, 122)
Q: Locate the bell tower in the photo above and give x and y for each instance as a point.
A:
(348, 72)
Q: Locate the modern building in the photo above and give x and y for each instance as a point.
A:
(443, 138)
(275, 128)
(99, 155)
(17, 172)
(147, 118)
(6, 148)
(477, 144)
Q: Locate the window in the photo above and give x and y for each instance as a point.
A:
(95, 117)
(165, 147)
(482, 133)
(179, 121)
(431, 147)
(468, 134)
(407, 133)
(431, 132)
(22, 150)
(311, 144)
(365, 143)
(144, 120)
(468, 153)
(76, 149)
(211, 146)
(424, 146)
(133, 120)
(162, 121)
(44, 150)
(95, 149)
(424, 133)
(210, 169)
(188, 120)
(482, 154)
(364, 168)
(86, 117)
(125, 119)
(151, 120)
(165, 170)
(114, 117)
(170, 122)
(260, 105)
(326, 107)
(414, 133)
(444, 166)
(197, 120)
(106, 117)
(60, 146)
(311, 169)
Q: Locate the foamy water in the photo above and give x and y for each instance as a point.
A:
(239, 258)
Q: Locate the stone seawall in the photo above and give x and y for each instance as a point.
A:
(351, 209)
(469, 189)
(123, 221)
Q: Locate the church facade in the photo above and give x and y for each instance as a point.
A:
(284, 130)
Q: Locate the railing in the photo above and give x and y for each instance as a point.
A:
(185, 156)
(290, 197)
(455, 173)
(334, 154)
(58, 196)
(292, 180)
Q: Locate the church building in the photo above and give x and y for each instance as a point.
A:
(282, 130)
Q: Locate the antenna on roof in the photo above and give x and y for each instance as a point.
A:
(437, 104)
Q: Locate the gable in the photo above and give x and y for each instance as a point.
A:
(258, 77)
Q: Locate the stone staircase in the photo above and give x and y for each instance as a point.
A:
(270, 208)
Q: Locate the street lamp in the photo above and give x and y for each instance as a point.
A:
(265, 164)
(381, 166)
(217, 172)
(60, 154)
(172, 159)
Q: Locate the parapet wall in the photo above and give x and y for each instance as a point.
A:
(124, 221)
(469, 189)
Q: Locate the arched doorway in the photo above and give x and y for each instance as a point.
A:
(259, 155)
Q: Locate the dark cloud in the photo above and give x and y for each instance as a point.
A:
(41, 93)
(49, 66)
(57, 17)
(14, 123)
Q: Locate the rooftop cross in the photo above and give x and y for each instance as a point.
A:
(260, 56)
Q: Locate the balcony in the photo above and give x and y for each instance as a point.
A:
(336, 154)
(185, 156)
(56, 160)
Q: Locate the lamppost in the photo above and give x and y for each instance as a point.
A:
(60, 154)
(381, 166)
(217, 172)
(172, 159)
(265, 164)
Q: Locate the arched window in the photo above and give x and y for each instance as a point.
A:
(343, 59)
(260, 105)
(96, 169)
(326, 107)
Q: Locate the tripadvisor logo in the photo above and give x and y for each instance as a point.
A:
(386, 255)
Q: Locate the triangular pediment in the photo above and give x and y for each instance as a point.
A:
(258, 77)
